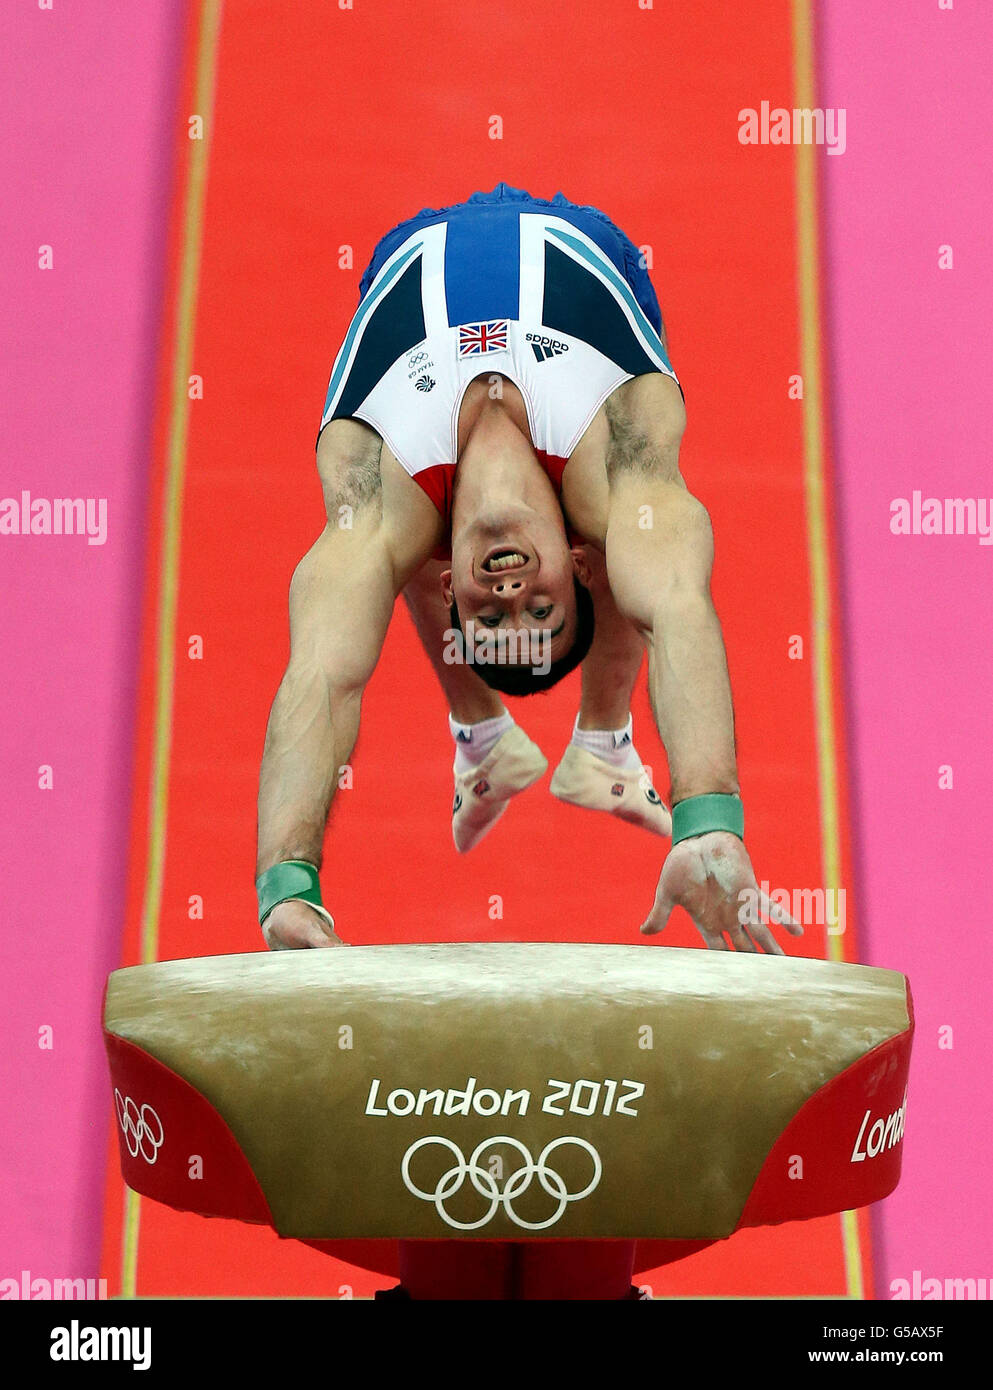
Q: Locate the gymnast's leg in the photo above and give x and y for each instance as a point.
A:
(470, 700)
(495, 760)
(601, 769)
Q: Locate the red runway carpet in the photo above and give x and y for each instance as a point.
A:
(328, 126)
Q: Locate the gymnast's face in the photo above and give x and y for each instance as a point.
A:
(518, 588)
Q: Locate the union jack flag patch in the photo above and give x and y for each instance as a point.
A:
(475, 338)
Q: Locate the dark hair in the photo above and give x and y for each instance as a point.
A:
(524, 680)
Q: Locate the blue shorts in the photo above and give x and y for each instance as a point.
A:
(501, 206)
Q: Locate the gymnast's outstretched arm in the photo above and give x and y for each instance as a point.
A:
(660, 576)
(341, 599)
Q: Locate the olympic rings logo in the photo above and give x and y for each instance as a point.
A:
(142, 1128)
(485, 1184)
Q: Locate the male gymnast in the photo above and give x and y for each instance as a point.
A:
(504, 397)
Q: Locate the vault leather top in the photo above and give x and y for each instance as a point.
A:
(663, 1077)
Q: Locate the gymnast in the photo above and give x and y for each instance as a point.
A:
(500, 444)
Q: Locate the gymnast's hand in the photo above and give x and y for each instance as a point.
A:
(711, 876)
(293, 926)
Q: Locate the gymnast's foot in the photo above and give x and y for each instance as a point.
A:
(494, 760)
(602, 771)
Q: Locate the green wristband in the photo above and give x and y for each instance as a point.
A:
(295, 879)
(698, 815)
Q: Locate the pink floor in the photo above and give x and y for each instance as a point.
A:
(909, 376)
(89, 98)
(86, 171)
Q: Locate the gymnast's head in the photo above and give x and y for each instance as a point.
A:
(521, 611)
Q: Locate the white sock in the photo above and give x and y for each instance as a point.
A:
(474, 741)
(612, 746)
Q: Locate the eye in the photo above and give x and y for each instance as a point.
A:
(489, 619)
(541, 613)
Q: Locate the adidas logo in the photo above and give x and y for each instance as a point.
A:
(425, 383)
(544, 348)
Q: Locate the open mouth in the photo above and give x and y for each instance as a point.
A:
(499, 560)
